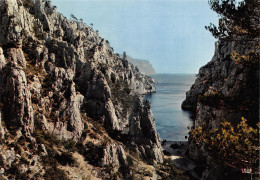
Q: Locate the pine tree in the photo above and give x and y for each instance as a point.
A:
(239, 22)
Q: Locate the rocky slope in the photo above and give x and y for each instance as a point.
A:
(67, 98)
(143, 65)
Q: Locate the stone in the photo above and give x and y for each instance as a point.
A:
(9, 156)
(114, 155)
(2, 59)
(2, 131)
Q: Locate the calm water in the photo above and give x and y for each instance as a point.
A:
(171, 121)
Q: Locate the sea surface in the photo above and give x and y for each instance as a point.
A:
(171, 121)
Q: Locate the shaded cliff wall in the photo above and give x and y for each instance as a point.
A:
(224, 89)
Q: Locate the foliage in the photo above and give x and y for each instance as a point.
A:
(235, 147)
(124, 56)
(121, 93)
(14, 173)
(238, 20)
(248, 58)
(66, 158)
(52, 45)
(239, 103)
(93, 153)
(168, 170)
(31, 69)
(73, 17)
(29, 48)
(212, 99)
(1, 161)
(45, 138)
(37, 32)
(55, 173)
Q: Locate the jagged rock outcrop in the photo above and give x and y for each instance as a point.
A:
(114, 155)
(142, 131)
(54, 70)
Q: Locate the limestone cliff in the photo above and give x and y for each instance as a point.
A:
(62, 86)
(224, 89)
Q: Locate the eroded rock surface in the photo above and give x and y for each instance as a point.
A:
(56, 73)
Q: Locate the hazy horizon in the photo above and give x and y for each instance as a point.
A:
(169, 34)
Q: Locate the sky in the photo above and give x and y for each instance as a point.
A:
(169, 33)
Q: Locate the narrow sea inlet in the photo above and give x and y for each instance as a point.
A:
(171, 121)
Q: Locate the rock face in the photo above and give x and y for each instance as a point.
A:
(143, 132)
(224, 89)
(113, 154)
(143, 65)
(53, 70)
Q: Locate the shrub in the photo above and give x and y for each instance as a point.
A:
(70, 145)
(65, 158)
(167, 153)
(31, 69)
(234, 147)
(23, 160)
(52, 45)
(38, 34)
(1, 160)
(167, 170)
(27, 4)
(212, 100)
(55, 173)
(94, 153)
(14, 173)
(249, 58)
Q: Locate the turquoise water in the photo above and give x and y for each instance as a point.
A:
(171, 121)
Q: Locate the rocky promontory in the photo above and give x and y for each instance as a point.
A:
(143, 65)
